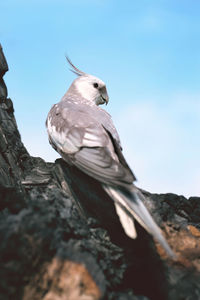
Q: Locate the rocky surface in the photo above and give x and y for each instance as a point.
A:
(61, 239)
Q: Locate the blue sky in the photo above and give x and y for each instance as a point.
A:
(147, 52)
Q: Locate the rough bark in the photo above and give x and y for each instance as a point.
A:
(61, 238)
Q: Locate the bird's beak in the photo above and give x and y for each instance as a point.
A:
(104, 95)
(105, 98)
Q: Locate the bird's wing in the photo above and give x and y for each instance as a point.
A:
(79, 136)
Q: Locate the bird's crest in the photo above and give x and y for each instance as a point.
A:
(75, 69)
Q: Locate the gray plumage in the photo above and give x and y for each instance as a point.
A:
(84, 135)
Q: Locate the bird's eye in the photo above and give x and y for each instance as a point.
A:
(95, 85)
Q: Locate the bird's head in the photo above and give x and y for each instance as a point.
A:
(89, 87)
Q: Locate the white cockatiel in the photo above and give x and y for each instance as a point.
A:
(84, 135)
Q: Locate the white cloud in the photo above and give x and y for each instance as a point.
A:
(162, 145)
(36, 142)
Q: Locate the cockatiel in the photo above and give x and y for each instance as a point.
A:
(84, 135)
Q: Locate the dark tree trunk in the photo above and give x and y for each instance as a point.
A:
(62, 240)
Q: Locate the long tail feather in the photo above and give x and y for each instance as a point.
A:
(127, 221)
(131, 202)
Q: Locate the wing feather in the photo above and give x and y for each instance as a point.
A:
(89, 146)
